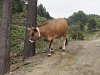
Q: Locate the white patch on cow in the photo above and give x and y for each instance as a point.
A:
(28, 28)
(63, 47)
(38, 30)
(31, 41)
(49, 54)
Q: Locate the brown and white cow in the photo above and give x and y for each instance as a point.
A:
(50, 30)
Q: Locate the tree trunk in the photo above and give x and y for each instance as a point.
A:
(5, 37)
(0, 9)
(29, 48)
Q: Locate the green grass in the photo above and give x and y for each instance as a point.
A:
(17, 33)
(17, 36)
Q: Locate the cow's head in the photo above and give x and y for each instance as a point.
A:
(34, 34)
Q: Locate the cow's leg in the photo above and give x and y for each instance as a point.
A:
(64, 43)
(50, 48)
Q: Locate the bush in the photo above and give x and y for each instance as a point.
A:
(77, 35)
(81, 36)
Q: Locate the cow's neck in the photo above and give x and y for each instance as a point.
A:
(42, 32)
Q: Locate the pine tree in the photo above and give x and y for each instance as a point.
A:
(29, 48)
(5, 37)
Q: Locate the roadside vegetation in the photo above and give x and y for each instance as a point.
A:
(82, 25)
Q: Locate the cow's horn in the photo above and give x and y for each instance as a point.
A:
(28, 28)
(38, 30)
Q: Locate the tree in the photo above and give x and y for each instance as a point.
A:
(92, 25)
(5, 37)
(29, 48)
(1, 1)
(0, 7)
(47, 15)
(41, 11)
(79, 18)
(18, 6)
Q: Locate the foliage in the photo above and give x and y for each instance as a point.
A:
(17, 33)
(92, 16)
(81, 24)
(81, 36)
(97, 19)
(92, 25)
(41, 11)
(41, 20)
(78, 18)
(92, 35)
(18, 6)
(76, 33)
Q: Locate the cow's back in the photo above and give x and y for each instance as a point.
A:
(57, 27)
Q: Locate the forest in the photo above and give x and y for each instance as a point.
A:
(13, 36)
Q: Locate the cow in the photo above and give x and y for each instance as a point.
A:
(50, 31)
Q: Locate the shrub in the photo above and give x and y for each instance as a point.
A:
(81, 36)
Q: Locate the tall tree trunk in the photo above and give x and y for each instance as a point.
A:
(5, 37)
(0, 9)
(29, 48)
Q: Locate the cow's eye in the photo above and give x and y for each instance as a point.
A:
(32, 34)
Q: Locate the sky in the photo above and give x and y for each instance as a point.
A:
(65, 8)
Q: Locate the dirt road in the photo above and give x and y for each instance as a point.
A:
(80, 58)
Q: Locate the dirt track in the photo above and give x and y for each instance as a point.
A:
(81, 58)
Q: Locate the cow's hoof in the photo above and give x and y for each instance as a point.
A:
(52, 52)
(63, 50)
(60, 47)
(49, 55)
